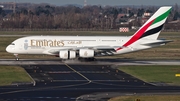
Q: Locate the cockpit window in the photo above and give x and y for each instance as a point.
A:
(12, 44)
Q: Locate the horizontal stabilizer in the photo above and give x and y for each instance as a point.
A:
(161, 42)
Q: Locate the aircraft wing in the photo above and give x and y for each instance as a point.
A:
(99, 49)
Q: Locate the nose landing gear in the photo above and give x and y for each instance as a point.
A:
(17, 58)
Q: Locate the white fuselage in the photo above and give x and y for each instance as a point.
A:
(46, 44)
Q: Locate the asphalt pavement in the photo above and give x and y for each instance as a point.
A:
(77, 82)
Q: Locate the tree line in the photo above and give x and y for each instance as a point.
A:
(73, 17)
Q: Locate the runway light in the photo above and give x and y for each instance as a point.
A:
(177, 75)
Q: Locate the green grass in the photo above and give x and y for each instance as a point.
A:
(147, 98)
(10, 74)
(154, 73)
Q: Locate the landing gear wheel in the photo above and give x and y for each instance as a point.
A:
(16, 55)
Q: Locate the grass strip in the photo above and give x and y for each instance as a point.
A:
(147, 98)
(154, 73)
(12, 74)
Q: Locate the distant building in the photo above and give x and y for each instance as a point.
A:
(147, 14)
(120, 15)
(145, 17)
(120, 18)
(2, 6)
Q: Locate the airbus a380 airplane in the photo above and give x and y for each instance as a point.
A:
(70, 47)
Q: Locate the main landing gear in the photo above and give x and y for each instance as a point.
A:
(16, 55)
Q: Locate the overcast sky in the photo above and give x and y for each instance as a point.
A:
(102, 2)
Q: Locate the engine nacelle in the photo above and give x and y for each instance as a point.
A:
(65, 54)
(86, 53)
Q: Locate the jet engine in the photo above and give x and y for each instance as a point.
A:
(86, 53)
(66, 54)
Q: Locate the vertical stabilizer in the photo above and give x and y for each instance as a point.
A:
(152, 28)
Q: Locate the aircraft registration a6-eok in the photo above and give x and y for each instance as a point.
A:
(70, 47)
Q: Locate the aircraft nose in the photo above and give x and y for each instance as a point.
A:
(8, 49)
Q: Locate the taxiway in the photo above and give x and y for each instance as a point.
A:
(69, 81)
